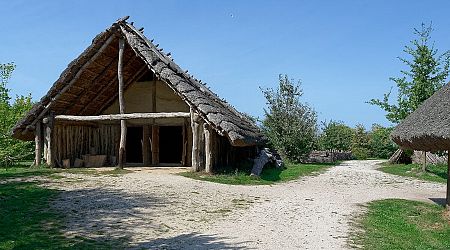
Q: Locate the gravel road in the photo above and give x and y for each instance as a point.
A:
(155, 209)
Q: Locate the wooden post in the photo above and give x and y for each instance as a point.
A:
(424, 166)
(155, 145)
(183, 150)
(145, 145)
(208, 148)
(195, 147)
(447, 198)
(123, 123)
(38, 144)
(49, 139)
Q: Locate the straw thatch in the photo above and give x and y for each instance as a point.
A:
(89, 85)
(427, 128)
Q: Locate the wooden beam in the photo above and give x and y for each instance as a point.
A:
(77, 75)
(115, 117)
(123, 123)
(49, 139)
(38, 144)
(106, 88)
(135, 77)
(155, 145)
(93, 83)
(195, 141)
(208, 148)
(145, 145)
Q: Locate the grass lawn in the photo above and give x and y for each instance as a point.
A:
(268, 175)
(435, 173)
(403, 224)
(27, 220)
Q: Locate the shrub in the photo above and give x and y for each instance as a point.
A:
(289, 124)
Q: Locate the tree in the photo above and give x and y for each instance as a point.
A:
(380, 143)
(427, 73)
(289, 124)
(336, 136)
(11, 150)
(360, 143)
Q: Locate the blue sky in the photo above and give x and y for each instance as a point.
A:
(343, 51)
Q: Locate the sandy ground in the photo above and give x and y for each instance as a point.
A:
(155, 209)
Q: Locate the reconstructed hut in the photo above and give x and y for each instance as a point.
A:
(428, 127)
(123, 101)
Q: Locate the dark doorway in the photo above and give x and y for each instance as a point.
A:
(134, 145)
(170, 144)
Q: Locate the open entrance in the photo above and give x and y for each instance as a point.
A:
(134, 145)
(170, 144)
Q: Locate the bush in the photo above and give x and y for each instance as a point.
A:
(360, 143)
(380, 143)
(336, 136)
(360, 153)
(12, 151)
(289, 124)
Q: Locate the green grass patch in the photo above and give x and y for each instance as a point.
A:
(434, 173)
(25, 171)
(268, 176)
(403, 224)
(27, 221)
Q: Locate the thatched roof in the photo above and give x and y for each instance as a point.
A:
(89, 85)
(428, 127)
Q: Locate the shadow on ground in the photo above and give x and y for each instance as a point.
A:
(190, 241)
(439, 201)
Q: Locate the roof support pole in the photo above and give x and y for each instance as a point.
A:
(208, 148)
(195, 141)
(155, 144)
(123, 123)
(49, 138)
(146, 145)
(38, 143)
(448, 181)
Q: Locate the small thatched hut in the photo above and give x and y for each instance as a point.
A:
(428, 128)
(124, 101)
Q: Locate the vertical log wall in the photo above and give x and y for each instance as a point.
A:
(74, 141)
(212, 152)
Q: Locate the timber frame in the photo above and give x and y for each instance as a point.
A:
(86, 113)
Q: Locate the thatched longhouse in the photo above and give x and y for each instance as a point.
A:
(123, 84)
(428, 127)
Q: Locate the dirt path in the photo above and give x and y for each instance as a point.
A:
(165, 211)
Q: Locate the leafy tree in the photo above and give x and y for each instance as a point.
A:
(11, 150)
(360, 143)
(427, 73)
(289, 124)
(380, 143)
(336, 136)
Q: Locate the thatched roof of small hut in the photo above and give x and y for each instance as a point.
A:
(428, 127)
(89, 85)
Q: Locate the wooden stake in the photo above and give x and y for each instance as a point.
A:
(123, 123)
(38, 143)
